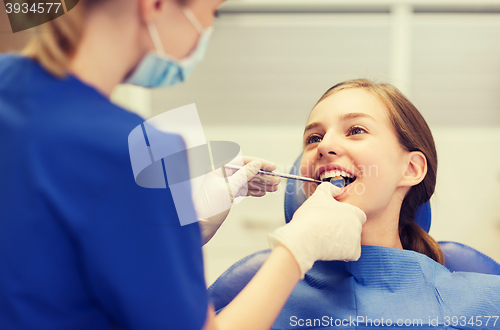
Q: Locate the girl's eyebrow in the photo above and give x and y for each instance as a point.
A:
(352, 115)
(344, 117)
(311, 126)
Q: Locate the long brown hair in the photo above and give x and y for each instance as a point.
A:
(413, 135)
(54, 43)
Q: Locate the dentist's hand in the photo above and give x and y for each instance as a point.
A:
(215, 198)
(322, 229)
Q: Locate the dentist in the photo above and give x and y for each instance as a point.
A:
(82, 246)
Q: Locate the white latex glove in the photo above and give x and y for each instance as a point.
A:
(322, 229)
(216, 196)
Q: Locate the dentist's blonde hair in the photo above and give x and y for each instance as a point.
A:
(413, 134)
(54, 43)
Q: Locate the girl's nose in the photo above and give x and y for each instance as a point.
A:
(328, 147)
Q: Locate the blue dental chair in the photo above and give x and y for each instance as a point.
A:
(458, 257)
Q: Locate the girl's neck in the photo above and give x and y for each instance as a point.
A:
(380, 233)
(382, 228)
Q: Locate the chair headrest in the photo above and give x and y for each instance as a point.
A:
(295, 196)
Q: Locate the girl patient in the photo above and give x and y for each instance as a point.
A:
(373, 136)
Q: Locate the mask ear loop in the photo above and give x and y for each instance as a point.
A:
(155, 37)
(192, 18)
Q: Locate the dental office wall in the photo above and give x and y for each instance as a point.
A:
(269, 62)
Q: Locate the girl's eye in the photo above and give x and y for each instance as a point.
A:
(356, 130)
(313, 139)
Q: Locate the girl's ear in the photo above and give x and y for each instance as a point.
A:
(415, 171)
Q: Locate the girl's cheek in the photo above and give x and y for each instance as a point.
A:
(307, 168)
(304, 169)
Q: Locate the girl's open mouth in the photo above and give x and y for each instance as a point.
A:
(326, 176)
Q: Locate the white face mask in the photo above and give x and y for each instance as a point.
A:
(157, 69)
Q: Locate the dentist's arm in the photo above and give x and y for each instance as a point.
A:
(321, 229)
(259, 303)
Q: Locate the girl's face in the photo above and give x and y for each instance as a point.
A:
(350, 132)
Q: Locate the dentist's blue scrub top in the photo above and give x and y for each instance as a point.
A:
(82, 246)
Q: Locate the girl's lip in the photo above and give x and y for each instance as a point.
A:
(342, 191)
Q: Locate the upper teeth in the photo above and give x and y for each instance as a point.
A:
(332, 174)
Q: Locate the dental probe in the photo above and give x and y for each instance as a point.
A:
(336, 181)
